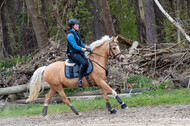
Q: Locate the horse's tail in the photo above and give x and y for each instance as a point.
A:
(36, 83)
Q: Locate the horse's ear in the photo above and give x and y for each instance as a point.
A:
(115, 39)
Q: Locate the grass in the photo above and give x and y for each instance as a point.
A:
(147, 98)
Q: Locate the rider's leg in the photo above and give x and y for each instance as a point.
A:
(80, 59)
(82, 70)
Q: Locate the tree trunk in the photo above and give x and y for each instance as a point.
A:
(98, 30)
(1, 37)
(13, 29)
(38, 26)
(188, 8)
(139, 11)
(17, 6)
(151, 32)
(159, 17)
(44, 14)
(107, 19)
(6, 42)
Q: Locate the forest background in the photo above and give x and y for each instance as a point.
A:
(29, 26)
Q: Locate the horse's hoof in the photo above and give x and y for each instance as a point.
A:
(46, 117)
(113, 111)
(123, 106)
(80, 114)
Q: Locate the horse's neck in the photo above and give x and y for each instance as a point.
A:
(102, 57)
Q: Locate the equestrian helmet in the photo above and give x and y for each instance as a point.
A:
(73, 21)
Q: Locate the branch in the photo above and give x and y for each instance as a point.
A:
(56, 14)
(172, 20)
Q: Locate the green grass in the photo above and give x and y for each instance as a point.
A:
(147, 98)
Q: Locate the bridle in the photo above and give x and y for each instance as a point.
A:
(110, 50)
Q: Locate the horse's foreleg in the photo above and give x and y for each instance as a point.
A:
(66, 101)
(48, 97)
(112, 111)
(104, 85)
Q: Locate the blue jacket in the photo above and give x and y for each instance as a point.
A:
(74, 42)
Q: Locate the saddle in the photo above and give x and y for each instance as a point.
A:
(72, 68)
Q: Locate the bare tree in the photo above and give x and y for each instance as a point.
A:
(97, 23)
(140, 21)
(159, 17)
(1, 36)
(38, 25)
(151, 32)
(6, 43)
(107, 19)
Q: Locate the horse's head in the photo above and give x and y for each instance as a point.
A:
(114, 50)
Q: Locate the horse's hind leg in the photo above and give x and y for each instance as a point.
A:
(48, 97)
(60, 90)
(112, 111)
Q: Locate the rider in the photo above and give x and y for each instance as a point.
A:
(76, 48)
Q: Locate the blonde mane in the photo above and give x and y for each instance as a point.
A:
(98, 43)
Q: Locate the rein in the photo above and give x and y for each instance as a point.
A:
(106, 69)
(110, 50)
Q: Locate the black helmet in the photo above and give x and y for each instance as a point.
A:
(73, 21)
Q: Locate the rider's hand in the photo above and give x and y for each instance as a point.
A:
(88, 47)
(83, 49)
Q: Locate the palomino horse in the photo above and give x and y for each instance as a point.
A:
(54, 75)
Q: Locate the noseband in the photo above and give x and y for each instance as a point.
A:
(110, 50)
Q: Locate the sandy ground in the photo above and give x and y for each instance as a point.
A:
(178, 115)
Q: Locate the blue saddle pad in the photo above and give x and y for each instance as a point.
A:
(73, 71)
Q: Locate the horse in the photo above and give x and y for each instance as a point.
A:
(54, 75)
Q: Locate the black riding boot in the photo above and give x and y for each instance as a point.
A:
(82, 70)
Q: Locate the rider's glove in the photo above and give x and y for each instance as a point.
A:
(89, 50)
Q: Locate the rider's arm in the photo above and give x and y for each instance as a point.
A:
(82, 44)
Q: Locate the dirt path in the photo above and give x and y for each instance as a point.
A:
(178, 115)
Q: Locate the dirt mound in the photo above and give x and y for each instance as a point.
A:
(22, 72)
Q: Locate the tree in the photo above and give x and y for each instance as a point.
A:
(159, 17)
(38, 25)
(151, 32)
(97, 28)
(188, 9)
(107, 19)
(1, 37)
(140, 20)
(6, 43)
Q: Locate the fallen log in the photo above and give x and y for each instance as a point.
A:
(135, 90)
(17, 89)
(59, 100)
(97, 92)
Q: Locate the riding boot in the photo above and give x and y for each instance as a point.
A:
(82, 70)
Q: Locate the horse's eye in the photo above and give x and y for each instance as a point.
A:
(114, 48)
